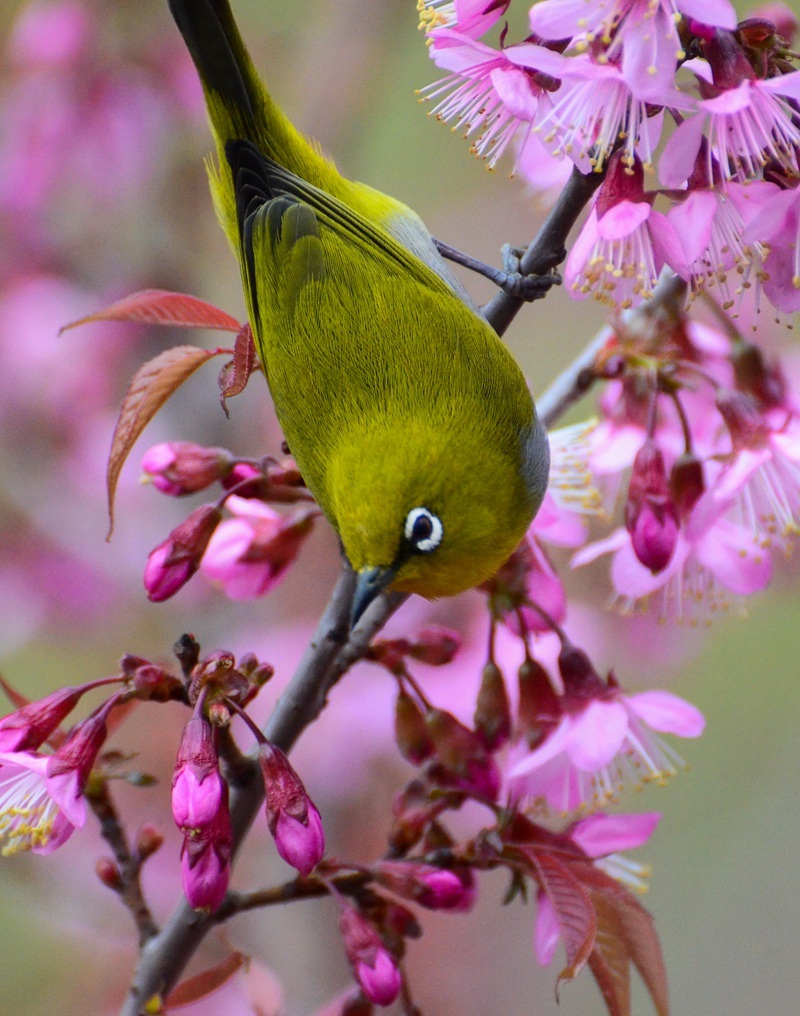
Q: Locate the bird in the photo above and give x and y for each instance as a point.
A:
(410, 421)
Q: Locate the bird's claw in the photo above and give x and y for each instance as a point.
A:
(524, 287)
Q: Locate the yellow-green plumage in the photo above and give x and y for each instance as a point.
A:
(393, 391)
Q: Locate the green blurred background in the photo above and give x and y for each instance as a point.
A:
(724, 889)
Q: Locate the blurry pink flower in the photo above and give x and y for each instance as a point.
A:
(250, 554)
(624, 243)
(600, 837)
(177, 468)
(601, 742)
(52, 33)
(374, 966)
(777, 224)
(291, 815)
(173, 562)
(30, 816)
(198, 789)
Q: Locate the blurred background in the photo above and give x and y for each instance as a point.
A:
(103, 192)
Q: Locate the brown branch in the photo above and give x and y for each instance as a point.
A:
(547, 250)
(128, 864)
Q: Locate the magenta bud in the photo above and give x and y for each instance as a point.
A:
(205, 865)
(651, 516)
(29, 727)
(173, 562)
(198, 789)
(431, 887)
(182, 467)
(291, 815)
(435, 645)
(372, 963)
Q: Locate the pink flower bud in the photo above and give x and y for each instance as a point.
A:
(651, 516)
(69, 768)
(372, 963)
(205, 864)
(435, 645)
(292, 818)
(29, 727)
(198, 789)
(431, 887)
(182, 467)
(173, 562)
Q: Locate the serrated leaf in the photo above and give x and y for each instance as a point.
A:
(204, 984)
(234, 375)
(150, 388)
(610, 959)
(162, 307)
(573, 907)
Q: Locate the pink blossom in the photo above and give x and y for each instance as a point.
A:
(600, 743)
(251, 553)
(624, 243)
(748, 120)
(600, 837)
(470, 17)
(31, 817)
(777, 224)
(486, 92)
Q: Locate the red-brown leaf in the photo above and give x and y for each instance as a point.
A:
(204, 984)
(573, 907)
(235, 374)
(161, 307)
(610, 959)
(150, 388)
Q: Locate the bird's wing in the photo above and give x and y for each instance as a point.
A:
(275, 206)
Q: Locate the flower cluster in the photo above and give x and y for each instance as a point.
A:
(600, 85)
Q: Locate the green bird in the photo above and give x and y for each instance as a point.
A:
(411, 422)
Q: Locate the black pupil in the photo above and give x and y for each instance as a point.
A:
(422, 529)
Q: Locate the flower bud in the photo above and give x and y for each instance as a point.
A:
(539, 710)
(108, 873)
(465, 762)
(291, 815)
(178, 468)
(650, 513)
(30, 727)
(431, 887)
(372, 963)
(198, 789)
(492, 710)
(69, 768)
(435, 645)
(205, 863)
(409, 729)
(173, 562)
(686, 483)
(148, 841)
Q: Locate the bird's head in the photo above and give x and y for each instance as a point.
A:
(432, 512)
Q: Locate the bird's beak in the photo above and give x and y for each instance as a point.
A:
(370, 582)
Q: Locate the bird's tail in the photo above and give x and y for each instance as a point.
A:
(239, 106)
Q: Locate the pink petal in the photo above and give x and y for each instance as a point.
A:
(667, 246)
(728, 551)
(719, 13)
(667, 713)
(733, 100)
(623, 219)
(680, 152)
(693, 219)
(783, 84)
(592, 551)
(600, 835)
(553, 745)
(514, 88)
(597, 735)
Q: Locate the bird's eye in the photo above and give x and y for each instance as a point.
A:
(423, 530)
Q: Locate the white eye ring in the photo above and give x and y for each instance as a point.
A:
(431, 535)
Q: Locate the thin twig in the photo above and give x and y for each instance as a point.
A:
(128, 864)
